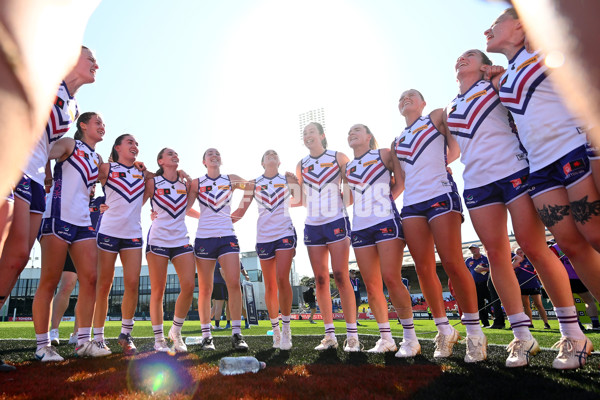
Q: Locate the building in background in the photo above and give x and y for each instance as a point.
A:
(316, 115)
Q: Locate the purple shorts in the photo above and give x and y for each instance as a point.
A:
(322, 235)
(503, 191)
(386, 230)
(169, 252)
(33, 193)
(440, 205)
(266, 251)
(114, 245)
(65, 231)
(213, 248)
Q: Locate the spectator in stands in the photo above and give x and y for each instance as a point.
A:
(530, 286)
(309, 298)
(355, 282)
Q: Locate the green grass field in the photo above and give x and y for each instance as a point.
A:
(306, 373)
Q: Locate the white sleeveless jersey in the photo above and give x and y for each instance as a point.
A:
(547, 128)
(69, 196)
(124, 190)
(490, 149)
(321, 177)
(214, 197)
(62, 115)
(168, 201)
(272, 196)
(421, 149)
(369, 180)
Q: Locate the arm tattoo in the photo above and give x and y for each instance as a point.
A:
(551, 215)
(583, 210)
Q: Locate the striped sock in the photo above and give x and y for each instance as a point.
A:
(42, 340)
(126, 326)
(205, 330)
(236, 326)
(330, 331)
(275, 326)
(568, 322)
(519, 324)
(351, 330)
(177, 324)
(83, 335)
(443, 326)
(471, 322)
(99, 335)
(285, 321)
(408, 327)
(385, 331)
(158, 332)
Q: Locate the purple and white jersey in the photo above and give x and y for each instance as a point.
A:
(214, 197)
(73, 178)
(321, 177)
(547, 128)
(421, 149)
(272, 196)
(62, 115)
(168, 201)
(124, 189)
(369, 180)
(489, 147)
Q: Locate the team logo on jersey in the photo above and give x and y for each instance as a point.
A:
(326, 165)
(81, 153)
(352, 170)
(454, 106)
(309, 168)
(223, 187)
(60, 103)
(370, 163)
(162, 192)
(386, 230)
(93, 209)
(402, 139)
(205, 189)
(504, 80)
(440, 204)
(263, 187)
(476, 95)
(118, 175)
(339, 231)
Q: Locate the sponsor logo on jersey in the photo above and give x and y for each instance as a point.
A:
(262, 251)
(137, 176)
(339, 231)
(223, 187)
(421, 128)
(370, 163)
(573, 166)
(181, 191)
(476, 95)
(528, 62)
(326, 165)
(279, 185)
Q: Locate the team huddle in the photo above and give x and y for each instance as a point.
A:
(524, 152)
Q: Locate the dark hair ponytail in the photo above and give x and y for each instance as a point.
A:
(113, 153)
(322, 132)
(160, 170)
(83, 119)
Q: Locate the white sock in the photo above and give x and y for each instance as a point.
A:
(236, 326)
(99, 334)
(275, 326)
(42, 340)
(158, 332)
(443, 326)
(205, 330)
(83, 335)
(471, 322)
(520, 325)
(351, 330)
(408, 327)
(385, 331)
(126, 326)
(568, 322)
(330, 331)
(177, 324)
(285, 321)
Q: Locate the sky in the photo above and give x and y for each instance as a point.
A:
(236, 74)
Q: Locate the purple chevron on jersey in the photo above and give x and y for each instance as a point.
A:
(415, 139)
(361, 179)
(320, 171)
(173, 205)
(62, 115)
(129, 185)
(85, 161)
(470, 109)
(214, 197)
(269, 196)
(524, 74)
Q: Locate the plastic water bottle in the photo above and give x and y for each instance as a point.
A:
(240, 365)
(270, 333)
(192, 340)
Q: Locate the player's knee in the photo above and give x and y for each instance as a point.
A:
(322, 280)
